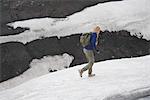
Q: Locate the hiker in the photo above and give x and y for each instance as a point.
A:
(89, 49)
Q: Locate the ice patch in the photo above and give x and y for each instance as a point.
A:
(49, 63)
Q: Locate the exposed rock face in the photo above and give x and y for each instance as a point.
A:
(7, 30)
(122, 44)
(14, 60)
(55, 46)
(43, 47)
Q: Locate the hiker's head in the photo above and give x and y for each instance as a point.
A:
(97, 29)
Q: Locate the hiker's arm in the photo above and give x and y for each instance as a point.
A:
(94, 44)
(93, 41)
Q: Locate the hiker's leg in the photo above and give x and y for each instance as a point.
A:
(90, 70)
(90, 57)
(91, 62)
(88, 67)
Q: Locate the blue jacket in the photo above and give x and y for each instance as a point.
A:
(92, 44)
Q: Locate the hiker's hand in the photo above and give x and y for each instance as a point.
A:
(97, 51)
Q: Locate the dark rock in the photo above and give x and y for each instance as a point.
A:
(7, 30)
(43, 47)
(121, 44)
(23, 9)
(71, 45)
(54, 46)
(14, 60)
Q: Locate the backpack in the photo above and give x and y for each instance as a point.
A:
(85, 39)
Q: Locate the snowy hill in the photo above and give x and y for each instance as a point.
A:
(123, 79)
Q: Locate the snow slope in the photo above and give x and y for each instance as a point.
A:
(131, 15)
(39, 67)
(128, 78)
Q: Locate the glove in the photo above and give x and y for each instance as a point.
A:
(97, 51)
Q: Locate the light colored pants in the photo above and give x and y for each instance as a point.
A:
(89, 54)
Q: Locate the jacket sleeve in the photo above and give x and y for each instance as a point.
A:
(93, 40)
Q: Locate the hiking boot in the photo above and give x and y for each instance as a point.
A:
(80, 72)
(91, 75)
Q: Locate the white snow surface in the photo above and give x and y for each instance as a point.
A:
(39, 67)
(128, 77)
(130, 15)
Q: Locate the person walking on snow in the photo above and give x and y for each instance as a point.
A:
(89, 51)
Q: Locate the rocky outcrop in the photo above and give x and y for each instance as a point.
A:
(14, 60)
(43, 47)
(121, 44)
